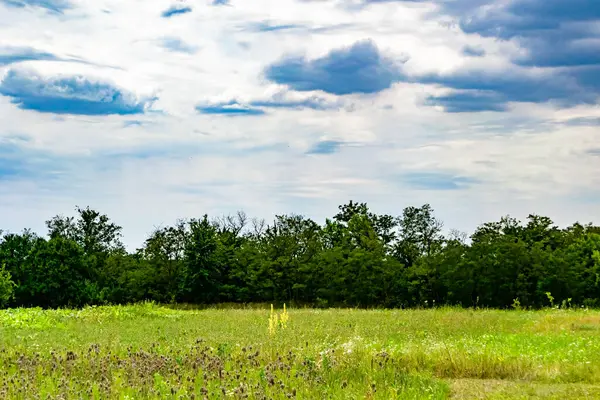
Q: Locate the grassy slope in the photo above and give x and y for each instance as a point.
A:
(150, 352)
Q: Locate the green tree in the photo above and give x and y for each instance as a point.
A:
(204, 272)
(15, 255)
(384, 225)
(130, 278)
(94, 231)
(164, 253)
(419, 234)
(97, 236)
(289, 248)
(581, 260)
(58, 275)
(7, 287)
(231, 237)
(357, 258)
(354, 267)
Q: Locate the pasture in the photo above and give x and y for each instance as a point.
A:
(147, 351)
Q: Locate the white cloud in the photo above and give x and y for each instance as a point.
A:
(178, 162)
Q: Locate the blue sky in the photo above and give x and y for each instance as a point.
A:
(158, 110)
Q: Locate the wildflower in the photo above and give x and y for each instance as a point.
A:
(276, 319)
(272, 321)
(284, 317)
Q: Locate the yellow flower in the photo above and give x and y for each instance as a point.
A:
(272, 321)
(276, 319)
(284, 317)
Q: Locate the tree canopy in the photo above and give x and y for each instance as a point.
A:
(357, 258)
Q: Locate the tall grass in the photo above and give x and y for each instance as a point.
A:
(150, 351)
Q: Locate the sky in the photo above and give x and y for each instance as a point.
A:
(157, 110)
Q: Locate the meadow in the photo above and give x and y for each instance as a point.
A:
(147, 351)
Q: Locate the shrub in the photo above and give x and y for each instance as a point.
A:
(7, 287)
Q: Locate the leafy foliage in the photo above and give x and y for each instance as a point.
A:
(6, 286)
(357, 258)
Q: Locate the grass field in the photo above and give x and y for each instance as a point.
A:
(147, 351)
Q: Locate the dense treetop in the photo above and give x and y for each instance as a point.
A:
(357, 258)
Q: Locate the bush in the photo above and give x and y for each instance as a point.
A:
(7, 287)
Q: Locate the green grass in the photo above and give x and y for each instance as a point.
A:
(147, 351)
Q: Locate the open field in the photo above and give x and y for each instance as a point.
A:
(147, 351)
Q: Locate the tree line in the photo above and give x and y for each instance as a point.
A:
(357, 258)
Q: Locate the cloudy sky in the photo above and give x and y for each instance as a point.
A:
(154, 110)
